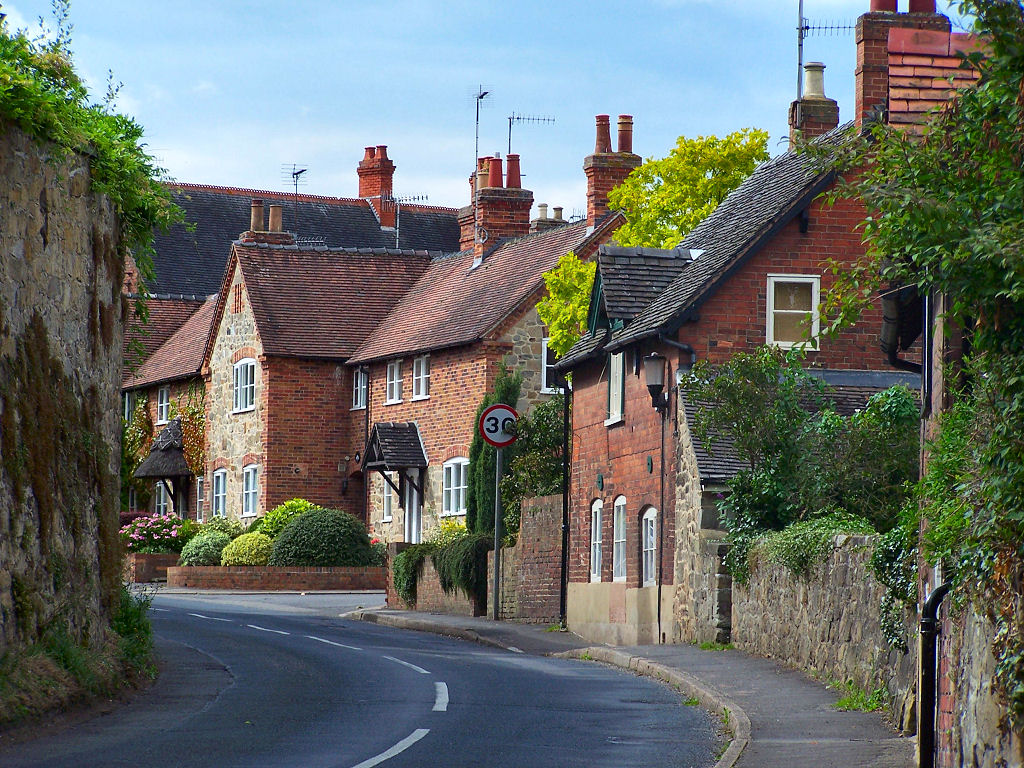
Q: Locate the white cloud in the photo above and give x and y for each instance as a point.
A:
(204, 88)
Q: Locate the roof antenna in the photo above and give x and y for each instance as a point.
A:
(515, 118)
(294, 175)
(477, 98)
(399, 202)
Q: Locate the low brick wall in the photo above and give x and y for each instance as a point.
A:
(828, 624)
(143, 568)
(272, 578)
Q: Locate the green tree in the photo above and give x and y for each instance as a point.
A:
(665, 198)
(564, 309)
(483, 458)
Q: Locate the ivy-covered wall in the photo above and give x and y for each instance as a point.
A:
(60, 367)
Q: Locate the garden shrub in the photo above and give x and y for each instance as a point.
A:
(233, 528)
(276, 519)
(405, 570)
(379, 553)
(322, 537)
(801, 546)
(248, 549)
(462, 564)
(204, 549)
(166, 534)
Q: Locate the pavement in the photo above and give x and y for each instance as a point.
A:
(777, 717)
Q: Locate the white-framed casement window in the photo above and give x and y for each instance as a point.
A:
(596, 538)
(548, 379)
(163, 405)
(456, 481)
(161, 502)
(250, 490)
(616, 387)
(394, 383)
(793, 310)
(421, 377)
(649, 547)
(360, 382)
(619, 539)
(200, 499)
(133, 502)
(220, 493)
(128, 403)
(387, 499)
(244, 385)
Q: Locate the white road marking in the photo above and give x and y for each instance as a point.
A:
(514, 649)
(398, 749)
(211, 618)
(421, 670)
(264, 629)
(331, 642)
(441, 699)
(162, 610)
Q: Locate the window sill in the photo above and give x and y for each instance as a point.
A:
(420, 397)
(595, 579)
(244, 410)
(453, 514)
(387, 519)
(392, 402)
(358, 408)
(619, 579)
(792, 345)
(549, 390)
(159, 423)
(613, 421)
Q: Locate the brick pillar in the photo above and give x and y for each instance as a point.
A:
(605, 169)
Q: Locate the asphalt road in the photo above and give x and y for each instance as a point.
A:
(284, 680)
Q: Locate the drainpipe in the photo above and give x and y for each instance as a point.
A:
(566, 446)
(929, 634)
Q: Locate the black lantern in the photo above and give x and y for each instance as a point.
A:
(654, 373)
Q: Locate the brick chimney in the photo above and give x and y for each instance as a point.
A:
(258, 232)
(543, 222)
(605, 169)
(502, 206)
(376, 178)
(872, 87)
(814, 114)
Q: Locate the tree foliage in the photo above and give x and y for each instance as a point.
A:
(564, 309)
(664, 199)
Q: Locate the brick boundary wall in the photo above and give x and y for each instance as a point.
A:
(272, 578)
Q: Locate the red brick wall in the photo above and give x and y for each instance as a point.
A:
(539, 560)
(275, 578)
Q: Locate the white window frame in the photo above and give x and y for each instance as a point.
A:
(244, 386)
(387, 501)
(360, 384)
(250, 490)
(199, 498)
(454, 486)
(547, 370)
(619, 539)
(413, 508)
(161, 499)
(220, 493)
(128, 404)
(163, 405)
(394, 383)
(596, 538)
(616, 387)
(815, 282)
(421, 378)
(649, 547)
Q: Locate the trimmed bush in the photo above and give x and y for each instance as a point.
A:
(462, 564)
(247, 549)
(205, 549)
(276, 519)
(231, 527)
(323, 537)
(406, 570)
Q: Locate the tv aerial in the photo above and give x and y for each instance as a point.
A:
(517, 118)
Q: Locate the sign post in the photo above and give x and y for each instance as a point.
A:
(498, 428)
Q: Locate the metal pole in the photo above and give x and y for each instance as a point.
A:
(495, 599)
(564, 586)
(927, 686)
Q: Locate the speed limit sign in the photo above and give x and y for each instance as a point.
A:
(498, 425)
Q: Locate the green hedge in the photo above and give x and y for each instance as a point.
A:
(247, 549)
(325, 538)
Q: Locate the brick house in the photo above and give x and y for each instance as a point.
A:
(646, 545)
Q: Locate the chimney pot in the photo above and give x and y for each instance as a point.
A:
(603, 144)
(494, 172)
(382, 152)
(256, 216)
(883, 6)
(814, 80)
(625, 133)
(542, 210)
(513, 178)
(922, 6)
(275, 218)
(368, 154)
(558, 213)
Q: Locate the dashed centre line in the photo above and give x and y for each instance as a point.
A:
(264, 629)
(398, 749)
(441, 697)
(210, 618)
(331, 642)
(421, 670)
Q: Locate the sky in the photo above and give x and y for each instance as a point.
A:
(237, 93)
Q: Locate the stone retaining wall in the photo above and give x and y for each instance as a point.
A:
(143, 568)
(828, 624)
(275, 578)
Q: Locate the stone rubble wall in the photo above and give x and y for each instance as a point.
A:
(828, 624)
(61, 325)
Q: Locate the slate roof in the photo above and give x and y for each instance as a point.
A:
(181, 356)
(165, 317)
(192, 262)
(322, 303)
(749, 216)
(394, 445)
(166, 456)
(454, 303)
(631, 278)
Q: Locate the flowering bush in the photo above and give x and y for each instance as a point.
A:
(380, 552)
(157, 533)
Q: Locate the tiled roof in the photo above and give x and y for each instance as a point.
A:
(192, 262)
(631, 278)
(166, 457)
(751, 214)
(454, 303)
(584, 349)
(181, 355)
(165, 317)
(720, 463)
(394, 445)
(322, 303)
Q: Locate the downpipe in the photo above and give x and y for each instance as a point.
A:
(929, 635)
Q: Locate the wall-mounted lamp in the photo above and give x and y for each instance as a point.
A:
(654, 373)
